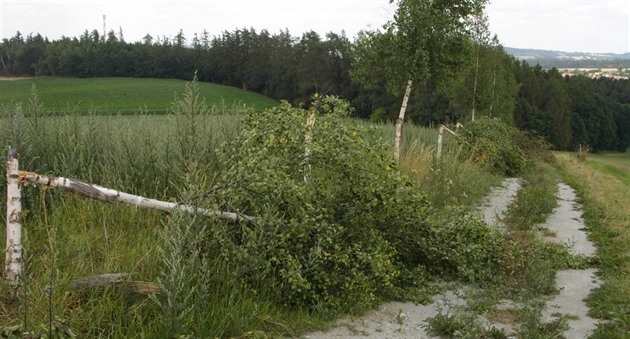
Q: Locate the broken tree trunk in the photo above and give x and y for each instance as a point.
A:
(13, 254)
(109, 195)
(401, 119)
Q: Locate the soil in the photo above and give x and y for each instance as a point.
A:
(408, 320)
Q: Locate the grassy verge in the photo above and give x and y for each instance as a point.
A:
(605, 198)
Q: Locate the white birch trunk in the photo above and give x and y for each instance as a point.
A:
(401, 119)
(109, 195)
(13, 254)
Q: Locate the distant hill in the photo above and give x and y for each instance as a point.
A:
(560, 59)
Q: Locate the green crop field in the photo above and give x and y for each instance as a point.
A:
(121, 95)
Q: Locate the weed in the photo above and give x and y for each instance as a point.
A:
(535, 200)
(533, 326)
(583, 152)
(462, 324)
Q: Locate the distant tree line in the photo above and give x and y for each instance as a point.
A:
(566, 111)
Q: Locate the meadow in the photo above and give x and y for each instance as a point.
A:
(121, 95)
(227, 280)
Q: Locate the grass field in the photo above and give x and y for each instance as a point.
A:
(121, 95)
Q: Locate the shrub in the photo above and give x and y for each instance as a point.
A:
(503, 149)
(336, 225)
(462, 245)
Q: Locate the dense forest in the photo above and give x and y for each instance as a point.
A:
(567, 111)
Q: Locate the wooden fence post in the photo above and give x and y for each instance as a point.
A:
(439, 145)
(13, 255)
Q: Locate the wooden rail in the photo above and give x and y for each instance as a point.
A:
(16, 179)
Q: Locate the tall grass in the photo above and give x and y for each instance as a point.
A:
(446, 180)
(67, 237)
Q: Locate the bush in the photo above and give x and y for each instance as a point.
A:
(336, 225)
(503, 149)
(463, 246)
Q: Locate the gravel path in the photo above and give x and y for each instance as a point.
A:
(407, 320)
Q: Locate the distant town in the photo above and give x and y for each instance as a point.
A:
(592, 65)
(594, 73)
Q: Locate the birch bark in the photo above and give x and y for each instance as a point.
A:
(401, 119)
(13, 254)
(109, 195)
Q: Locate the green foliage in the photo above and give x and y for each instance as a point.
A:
(535, 200)
(336, 217)
(463, 246)
(534, 327)
(499, 147)
(57, 328)
(462, 325)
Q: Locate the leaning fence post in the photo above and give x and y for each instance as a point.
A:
(13, 256)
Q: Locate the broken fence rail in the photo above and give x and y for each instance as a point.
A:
(96, 192)
(16, 178)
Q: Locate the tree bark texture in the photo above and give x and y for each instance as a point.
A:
(109, 195)
(13, 254)
(401, 119)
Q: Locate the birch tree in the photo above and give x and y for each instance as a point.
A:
(426, 39)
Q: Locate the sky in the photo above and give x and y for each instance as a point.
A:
(596, 26)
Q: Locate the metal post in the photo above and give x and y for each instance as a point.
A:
(13, 258)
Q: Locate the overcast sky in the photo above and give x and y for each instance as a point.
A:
(564, 25)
